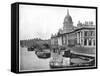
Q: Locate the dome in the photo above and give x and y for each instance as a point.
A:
(68, 18)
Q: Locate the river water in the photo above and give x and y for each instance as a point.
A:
(30, 62)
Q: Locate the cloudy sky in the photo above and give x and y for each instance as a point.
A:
(41, 21)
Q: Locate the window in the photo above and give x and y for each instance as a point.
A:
(90, 42)
(85, 33)
(85, 41)
(90, 33)
(94, 42)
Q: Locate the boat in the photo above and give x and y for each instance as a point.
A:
(42, 54)
(67, 53)
(30, 48)
(67, 60)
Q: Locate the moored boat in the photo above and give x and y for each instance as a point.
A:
(42, 54)
(30, 48)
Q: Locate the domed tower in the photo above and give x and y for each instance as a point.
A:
(68, 23)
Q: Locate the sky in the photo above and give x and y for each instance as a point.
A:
(42, 21)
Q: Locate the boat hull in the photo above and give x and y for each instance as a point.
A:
(42, 54)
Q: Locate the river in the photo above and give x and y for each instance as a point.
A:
(30, 62)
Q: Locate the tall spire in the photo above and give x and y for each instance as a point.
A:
(67, 12)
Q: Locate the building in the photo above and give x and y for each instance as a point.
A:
(82, 35)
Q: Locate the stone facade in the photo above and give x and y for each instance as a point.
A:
(82, 35)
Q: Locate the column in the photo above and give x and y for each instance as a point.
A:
(77, 38)
(83, 38)
(80, 37)
(92, 42)
(82, 41)
(66, 39)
